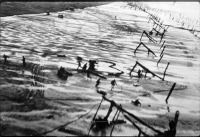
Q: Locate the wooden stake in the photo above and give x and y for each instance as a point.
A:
(149, 50)
(95, 116)
(170, 92)
(133, 116)
(133, 68)
(109, 111)
(147, 70)
(162, 35)
(150, 38)
(165, 71)
(142, 36)
(118, 111)
(160, 59)
(162, 51)
(138, 128)
(176, 118)
(162, 44)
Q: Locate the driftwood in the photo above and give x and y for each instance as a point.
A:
(149, 50)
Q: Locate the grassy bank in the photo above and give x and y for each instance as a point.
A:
(18, 8)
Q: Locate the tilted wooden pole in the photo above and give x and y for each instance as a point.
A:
(150, 38)
(132, 115)
(95, 116)
(149, 50)
(133, 68)
(118, 111)
(170, 92)
(147, 70)
(162, 51)
(138, 128)
(165, 71)
(162, 44)
(160, 59)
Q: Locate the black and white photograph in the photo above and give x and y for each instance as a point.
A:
(100, 68)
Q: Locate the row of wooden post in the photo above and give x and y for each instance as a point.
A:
(156, 21)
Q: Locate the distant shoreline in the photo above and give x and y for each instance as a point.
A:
(19, 8)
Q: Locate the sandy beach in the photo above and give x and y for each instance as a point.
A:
(35, 101)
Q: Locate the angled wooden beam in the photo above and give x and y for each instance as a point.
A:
(162, 51)
(165, 71)
(95, 116)
(148, 36)
(170, 92)
(162, 44)
(160, 59)
(138, 128)
(132, 115)
(149, 50)
(147, 70)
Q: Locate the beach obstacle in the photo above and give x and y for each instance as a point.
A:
(137, 127)
(120, 108)
(170, 92)
(94, 117)
(162, 44)
(149, 50)
(100, 123)
(148, 36)
(162, 51)
(172, 125)
(158, 33)
(145, 69)
(160, 59)
(165, 71)
(117, 113)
